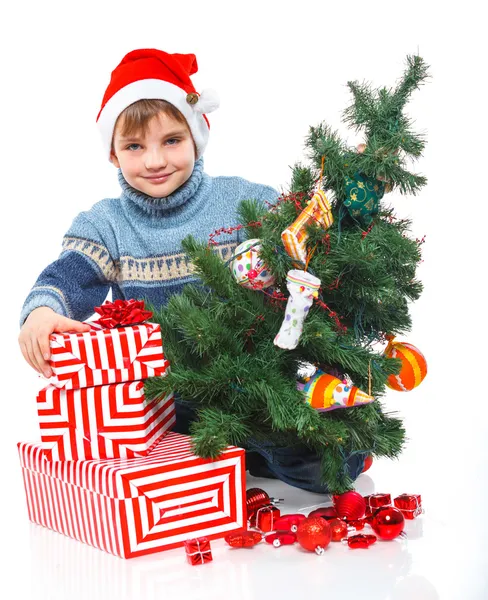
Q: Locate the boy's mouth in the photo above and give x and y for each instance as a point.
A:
(158, 178)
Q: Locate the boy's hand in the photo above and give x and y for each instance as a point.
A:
(35, 332)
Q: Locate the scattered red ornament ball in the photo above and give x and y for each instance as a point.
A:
(338, 530)
(314, 534)
(349, 505)
(252, 274)
(326, 512)
(388, 522)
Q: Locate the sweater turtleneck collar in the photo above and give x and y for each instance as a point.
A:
(168, 204)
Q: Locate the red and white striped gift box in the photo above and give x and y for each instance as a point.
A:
(106, 421)
(103, 356)
(132, 507)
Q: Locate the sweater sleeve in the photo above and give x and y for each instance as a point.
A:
(79, 279)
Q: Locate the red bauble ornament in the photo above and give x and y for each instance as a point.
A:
(280, 538)
(314, 534)
(252, 274)
(350, 505)
(368, 461)
(255, 498)
(388, 522)
(361, 540)
(326, 512)
(243, 539)
(338, 530)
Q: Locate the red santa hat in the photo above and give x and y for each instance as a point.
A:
(154, 74)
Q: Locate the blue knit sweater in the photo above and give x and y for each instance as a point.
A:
(132, 244)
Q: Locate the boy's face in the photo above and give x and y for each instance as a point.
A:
(158, 163)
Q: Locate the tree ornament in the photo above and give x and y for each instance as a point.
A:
(243, 539)
(338, 530)
(363, 195)
(295, 236)
(361, 540)
(414, 365)
(326, 512)
(368, 461)
(248, 268)
(313, 534)
(326, 392)
(388, 522)
(349, 505)
(303, 288)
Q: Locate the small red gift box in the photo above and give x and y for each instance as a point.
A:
(409, 504)
(265, 517)
(375, 501)
(198, 551)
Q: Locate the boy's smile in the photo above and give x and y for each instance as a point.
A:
(160, 161)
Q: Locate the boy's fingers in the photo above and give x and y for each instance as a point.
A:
(43, 366)
(44, 346)
(65, 324)
(32, 359)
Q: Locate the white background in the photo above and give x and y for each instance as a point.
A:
(278, 67)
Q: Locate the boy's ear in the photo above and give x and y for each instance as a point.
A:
(114, 160)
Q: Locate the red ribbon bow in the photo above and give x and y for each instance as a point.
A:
(122, 313)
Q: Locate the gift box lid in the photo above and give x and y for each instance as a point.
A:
(131, 478)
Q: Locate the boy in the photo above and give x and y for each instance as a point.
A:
(154, 128)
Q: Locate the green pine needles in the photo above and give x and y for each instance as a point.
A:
(219, 336)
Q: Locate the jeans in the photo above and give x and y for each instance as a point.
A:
(297, 465)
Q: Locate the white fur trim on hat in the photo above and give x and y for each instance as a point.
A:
(157, 89)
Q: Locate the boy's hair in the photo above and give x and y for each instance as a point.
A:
(136, 117)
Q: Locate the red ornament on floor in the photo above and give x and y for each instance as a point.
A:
(280, 538)
(388, 522)
(198, 551)
(349, 505)
(375, 501)
(410, 505)
(255, 498)
(314, 534)
(289, 522)
(338, 530)
(243, 539)
(326, 512)
(361, 540)
(265, 517)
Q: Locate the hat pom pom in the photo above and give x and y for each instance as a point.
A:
(208, 101)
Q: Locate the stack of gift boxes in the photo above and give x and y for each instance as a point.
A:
(108, 470)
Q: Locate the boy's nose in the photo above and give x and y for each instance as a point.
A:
(155, 159)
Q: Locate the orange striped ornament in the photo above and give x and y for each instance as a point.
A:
(414, 365)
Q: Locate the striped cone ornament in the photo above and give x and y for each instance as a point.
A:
(326, 392)
(414, 365)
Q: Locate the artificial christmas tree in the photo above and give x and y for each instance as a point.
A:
(220, 336)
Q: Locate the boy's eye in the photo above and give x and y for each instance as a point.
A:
(130, 146)
(175, 140)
